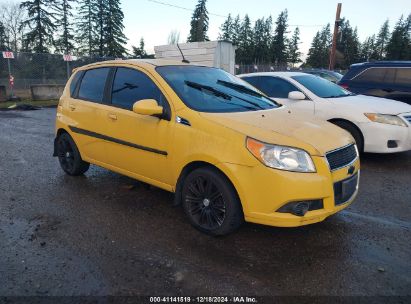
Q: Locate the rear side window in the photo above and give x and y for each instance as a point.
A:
(93, 84)
(403, 76)
(377, 75)
(74, 83)
(275, 87)
(131, 86)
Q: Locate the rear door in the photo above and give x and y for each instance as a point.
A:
(87, 113)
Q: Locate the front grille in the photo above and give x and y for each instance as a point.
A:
(342, 157)
(345, 189)
(408, 118)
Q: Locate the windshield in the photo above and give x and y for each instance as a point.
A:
(336, 75)
(321, 87)
(207, 89)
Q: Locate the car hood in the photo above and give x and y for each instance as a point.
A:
(284, 127)
(371, 104)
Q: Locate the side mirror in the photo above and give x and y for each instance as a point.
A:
(147, 107)
(295, 95)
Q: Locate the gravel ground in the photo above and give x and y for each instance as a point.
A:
(106, 234)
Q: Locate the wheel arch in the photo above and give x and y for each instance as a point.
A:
(190, 167)
(336, 120)
(58, 134)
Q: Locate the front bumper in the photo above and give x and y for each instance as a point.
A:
(378, 135)
(263, 191)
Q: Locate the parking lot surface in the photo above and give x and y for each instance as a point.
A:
(106, 234)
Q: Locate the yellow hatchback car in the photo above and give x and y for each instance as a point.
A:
(227, 151)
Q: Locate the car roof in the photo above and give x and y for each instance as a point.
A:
(382, 63)
(278, 74)
(136, 62)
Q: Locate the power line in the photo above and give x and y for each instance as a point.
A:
(183, 8)
(222, 16)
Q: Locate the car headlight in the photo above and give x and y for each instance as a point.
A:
(386, 119)
(281, 157)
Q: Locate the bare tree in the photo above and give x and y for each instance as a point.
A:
(12, 17)
(174, 37)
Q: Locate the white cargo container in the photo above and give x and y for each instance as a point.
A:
(219, 54)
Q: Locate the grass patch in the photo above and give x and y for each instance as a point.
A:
(37, 103)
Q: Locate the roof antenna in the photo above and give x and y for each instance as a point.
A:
(182, 55)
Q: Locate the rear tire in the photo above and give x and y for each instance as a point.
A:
(350, 128)
(211, 202)
(69, 156)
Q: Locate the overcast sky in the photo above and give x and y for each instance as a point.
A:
(153, 21)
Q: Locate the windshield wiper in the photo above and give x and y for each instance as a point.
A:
(202, 87)
(239, 88)
(226, 96)
(244, 89)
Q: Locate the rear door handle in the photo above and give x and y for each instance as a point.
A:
(112, 116)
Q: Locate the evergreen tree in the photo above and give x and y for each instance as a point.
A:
(199, 23)
(226, 29)
(65, 41)
(279, 44)
(87, 37)
(41, 23)
(399, 45)
(259, 45)
(293, 49)
(245, 40)
(348, 44)
(100, 21)
(319, 52)
(139, 52)
(113, 37)
(3, 38)
(236, 30)
(368, 49)
(382, 40)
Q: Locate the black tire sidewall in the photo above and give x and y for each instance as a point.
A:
(354, 133)
(234, 214)
(79, 165)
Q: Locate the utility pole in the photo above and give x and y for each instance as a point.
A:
(334, 46)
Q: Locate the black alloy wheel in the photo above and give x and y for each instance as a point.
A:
(211, 203)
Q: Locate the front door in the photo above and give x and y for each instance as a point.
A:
(138, 144)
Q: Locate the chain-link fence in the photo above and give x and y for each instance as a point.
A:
(30, 69)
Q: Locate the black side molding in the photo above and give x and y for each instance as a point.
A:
(115, 140)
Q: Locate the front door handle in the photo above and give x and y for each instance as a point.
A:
(112, 116)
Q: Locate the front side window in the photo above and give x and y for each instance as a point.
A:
(207, 89)
(93, 84)
(130, 86)
(276, 87)
(321, 87)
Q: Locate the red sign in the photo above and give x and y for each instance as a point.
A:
(8, 55)
(67, 57)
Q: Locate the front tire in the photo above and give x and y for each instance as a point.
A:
(211, 202)
(69, 156)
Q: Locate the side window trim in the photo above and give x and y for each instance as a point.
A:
(77, 88)
(105, 85)
(110, 84)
